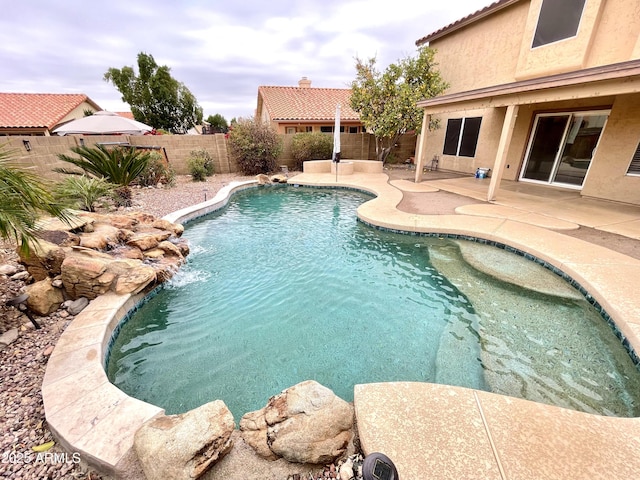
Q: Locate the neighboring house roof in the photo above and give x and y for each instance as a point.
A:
(306, 103)
(38, 110)
(463, 22)
(128, 115)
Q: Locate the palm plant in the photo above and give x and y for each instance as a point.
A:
(117, 165)
(81, 191)
(24, 199)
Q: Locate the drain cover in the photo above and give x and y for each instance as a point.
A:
(379, 467)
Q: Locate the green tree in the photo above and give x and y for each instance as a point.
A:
(218, 123)
(387, 101)
(155, 97)
(254, 145)
(24, 200)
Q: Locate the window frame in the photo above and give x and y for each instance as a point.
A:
(546, 15)
(465, 134)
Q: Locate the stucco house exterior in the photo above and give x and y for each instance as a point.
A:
(305, 108)
(40, 113)
(541, 91)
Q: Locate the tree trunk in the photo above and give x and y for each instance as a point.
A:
(382, 152)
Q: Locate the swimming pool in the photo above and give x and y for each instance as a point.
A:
(285, 285)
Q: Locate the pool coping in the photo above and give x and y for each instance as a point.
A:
(83, 408)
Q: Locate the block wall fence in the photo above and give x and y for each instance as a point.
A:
(40, 155)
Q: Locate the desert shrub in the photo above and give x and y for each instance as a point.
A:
(311, 146)
(82, 192)
(254, 145)
(200, 165)
(157, 171)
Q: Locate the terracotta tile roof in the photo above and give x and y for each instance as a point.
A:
(128, 115)
(463, 22)
(311, 104)
(38, 110)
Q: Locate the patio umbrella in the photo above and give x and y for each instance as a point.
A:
(336, 140)
(103, 123)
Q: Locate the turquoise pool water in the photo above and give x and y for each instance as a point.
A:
(285, 285)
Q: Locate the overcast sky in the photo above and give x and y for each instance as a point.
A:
(222, 51)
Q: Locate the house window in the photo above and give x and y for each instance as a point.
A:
(461, 138)
(353, 129)
(291, 130)
(634, 167)
(309, 129)
(558, 19)
(326, 129)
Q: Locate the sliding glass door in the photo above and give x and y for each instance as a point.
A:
(562, 146)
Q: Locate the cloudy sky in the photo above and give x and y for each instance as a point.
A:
(222, 51)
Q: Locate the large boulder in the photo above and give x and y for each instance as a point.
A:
(163, 224)
(61, 238)
(98, 253)
(103, 236)
(148, 238)
(84, 273)
(87, 273)
(186, 445)
(44, 259)
(170, 249)
(44, 298)
(132, 276)
(306, 423)
(263, 179)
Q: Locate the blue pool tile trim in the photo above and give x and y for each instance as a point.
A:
(124, 320)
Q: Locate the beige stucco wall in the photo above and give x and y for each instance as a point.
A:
(497, 49)
(483, 54)
(617, 38)
(77, 112)
(607, 177)
(563, 56)
(490, 128)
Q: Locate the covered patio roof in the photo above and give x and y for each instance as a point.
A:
(604, 83)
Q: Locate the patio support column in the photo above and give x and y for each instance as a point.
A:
(501, 155)
(421, 145)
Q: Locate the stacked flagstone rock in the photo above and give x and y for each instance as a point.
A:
(98, 253)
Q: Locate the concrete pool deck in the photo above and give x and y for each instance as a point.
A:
(429, 431)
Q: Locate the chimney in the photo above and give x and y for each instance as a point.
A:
(304, 82)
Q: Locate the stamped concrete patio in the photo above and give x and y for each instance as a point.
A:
(429, 431)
